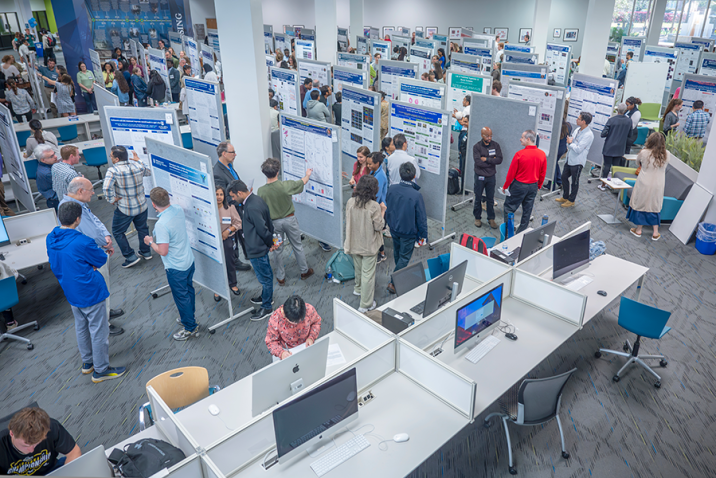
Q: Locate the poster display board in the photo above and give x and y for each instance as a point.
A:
(207, 56)
(282, 42)
(270, 62)
(360, 123)
(521, 48)
(422, 57)
(707, 65)
(315, 70)
(399, 42)
(424, 43)
(104, 99)
(287, 90)
(698, 87)
(305, 50)
(343, 76)
(633, 44)
(442, 41)
(96, 65)
(213, 40)
(485, 57)
(311, 144)
(175, 41)
(460, 85)
(422, 93)
(612, 54)
(380, 46)
(159, 63)
(390, 73)
(371, 32)
(352, 60)
(520, 57)
(646, 81)
(206, 116)
(595, 96)
(361, 45)
(558, 58)
(308, 34)
(143, 60)
(419, 33)
(459, 62)
(11, 156)
(706, 43)
(342, 39)
(688, 61)
(518, 72)
(657, 54)
(268, 39)
(191, 48)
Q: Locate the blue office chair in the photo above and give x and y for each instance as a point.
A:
(438, 265)
(644, 321)
(537, 401)
(503, 228)
(31, 169)
(187, 141)
(22, 137)
(96, 157)
(9, 299)
(489, 241)
(68, 133)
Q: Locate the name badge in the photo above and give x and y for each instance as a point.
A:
(491, 152)
(481, 178)
(226, 220)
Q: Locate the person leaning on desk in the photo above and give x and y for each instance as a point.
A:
(293, 324)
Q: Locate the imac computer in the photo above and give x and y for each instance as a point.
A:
(536, 239)
(92, 464)
(570, 256)
(311, 419)
(478, 319)
(276, 382)
(441, 290)
(4, 236)
(408, 278)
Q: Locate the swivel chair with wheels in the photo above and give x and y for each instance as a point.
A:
(8, 299)
(644, 321)
(537, 401)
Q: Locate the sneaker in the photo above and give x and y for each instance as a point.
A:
(381, 258)
(184, 334)
(601, 187)
(364, 310)
(308, 274)
(325, 246)
(130, 261)
(478, 223)
(391, 289)
(114, 330)
(109, 374)
(257, 300)
(146, 257)
(242, 266)
(87, 368)
(355, 292)
(421, 243)
(386, 233)
(261, 314)
(561, 200)
(568, 204)
(493, 224)
(114, 313)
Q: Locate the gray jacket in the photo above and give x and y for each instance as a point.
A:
(318, 111)
(616, 132)
(22, 102)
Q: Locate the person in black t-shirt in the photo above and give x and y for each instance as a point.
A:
(31, 443)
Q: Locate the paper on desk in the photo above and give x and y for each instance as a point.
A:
(335, 356)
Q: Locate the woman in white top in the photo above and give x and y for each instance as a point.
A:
(22, 102)
(209, 74)
(8, 68)
(40, 137)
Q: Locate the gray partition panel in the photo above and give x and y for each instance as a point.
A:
(14, 165)
(521, 57)
(522, 72)
(316, 222)
(198, 113)
(362, 101)
(173, 166)
(508, 119)
(104, 99)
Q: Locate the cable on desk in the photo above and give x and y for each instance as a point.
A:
(371, 434)
(442, 343)
(263, 462)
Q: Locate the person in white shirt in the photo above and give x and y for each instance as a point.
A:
(274, 114)
(210, 74)
(458, 115)
(578, 145)
(399, 157)
(607, 72)
(24, 51)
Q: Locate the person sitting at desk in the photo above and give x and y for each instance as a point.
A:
(46, 158)
(293, 324)
(32, 443)
(39, 137)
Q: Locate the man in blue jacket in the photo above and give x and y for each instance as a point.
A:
(406, 217)
(75, 260)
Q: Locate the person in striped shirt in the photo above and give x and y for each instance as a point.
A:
(696, 122)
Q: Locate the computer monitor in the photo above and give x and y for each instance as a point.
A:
(440, 289)
(478, 318)
(92, 464)
(276, 382)
(313, 418)
(536, 239)
(408, 278)
(570, 255)
(4, 236)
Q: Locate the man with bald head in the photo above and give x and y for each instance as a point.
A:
(487, 154)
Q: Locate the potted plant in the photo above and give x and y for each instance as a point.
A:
(690, 151)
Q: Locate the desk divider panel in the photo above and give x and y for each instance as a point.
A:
(190, 467)
(358, 327)
(450, 386)
(209, 468)
(543, 260)
(479, 266)
(30, 225)
(167, 422)
(549, 297)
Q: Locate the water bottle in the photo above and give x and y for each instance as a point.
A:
(277, 239)
(609, 176)
(545, 219)
(510, 225)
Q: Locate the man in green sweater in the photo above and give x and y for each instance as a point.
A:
(277, 196)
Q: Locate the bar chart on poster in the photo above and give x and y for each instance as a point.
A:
(423, 129)
(358, 120)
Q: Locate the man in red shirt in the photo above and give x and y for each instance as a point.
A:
(525, 178)
(295, 323)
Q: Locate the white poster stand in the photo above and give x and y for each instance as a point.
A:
(352, 60)
(11, 156)
(191, 48)
(706, 43)
(143, 54)
(656, 54)
(460, 85)
(707, 65)
(207, 57)
(343, 76)
(96, 65)
(159, 63)
(518, 72)
(512, 47)
(646, 81)
(484, 54)
(175, 42)
(282, 43)
(38, 86)
(399, 42)
(558, 57)
(595, 96)
(461, 63)
(520, 57)
(390, 73)
(342, 39)
(214, 40)
(689, 54)
(381, 46)
(360, 123)
(422, 93)
(424, 43)
(268, 39)
(694, 88)
(315, 70)
(206, 116)
(305, 50)
(634, 45)
(423, 58)
(287, 91)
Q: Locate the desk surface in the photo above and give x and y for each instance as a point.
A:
(82, 145)
(399, 406)
(28, 255)
(57, 122)
(417, 295)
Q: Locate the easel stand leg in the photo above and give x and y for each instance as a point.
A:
(432, 245)
(161, 291)
(464, 201)
(212, 329)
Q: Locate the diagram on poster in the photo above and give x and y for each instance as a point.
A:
(357, 121)
(557, 57)
(304, 50)
(424, 131)
(203, 112)
(633, 45)
(390, 78)
(305, 146)
(466, 64)
(315, 71)
(688, 61)
(594, 98)
(547, 100)
(382, 47)
(693, 90)
(283, 83)
(422, 95)
(351, 60)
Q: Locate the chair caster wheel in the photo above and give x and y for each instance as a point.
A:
(39, 268)
(616, 378)
(212, 331)
(431, 248)
(657, 384)
(36, 327)
(597, 354)
(30, 346)
(154, 296)
(626, 347)
(663, 363)
(486, 424)
(565, 455)
(23, 282)
(513, 471)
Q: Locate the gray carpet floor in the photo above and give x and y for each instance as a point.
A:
(625, 429)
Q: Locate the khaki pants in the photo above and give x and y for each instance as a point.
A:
(365, 278)
(53, 107)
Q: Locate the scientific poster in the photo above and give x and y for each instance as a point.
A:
(159, 63)
(357, 121)
(315, 71)
(511, 57)
(693, 90)
(268, 43)
(422, 57)
(270, 62)
(663, 55)
(213, 39)
(461, 85)
(382, 47)
(708, 67)
(11, 154)
(203, 112)
(546, 114)
(400, 42)
(362, 45)
(207, 56)
(594, 98)
(191, 48)
(427, 94)
(523, 49)
(525, 76)
(305, 50)
(307, 146)
(390, 78)
(688, 61)
(432, 44)
(484, 56)
(342, 39)
(466, 64)
(352, 77)
(282, 42)
(631, 44)
(424, 132)
(284, 84)
(351, 60)
(557, 58)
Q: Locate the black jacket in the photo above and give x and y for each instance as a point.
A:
(492, 152)
(156, 88)
(174, 83)
(257, 227)
(222, 175)
(616, 132)
(406, 214)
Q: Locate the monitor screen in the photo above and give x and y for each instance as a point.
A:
(4, 237)
(536, 239)
(440, 289)
(315, 412)
(570, 254)
(478, 315)
(408, 278)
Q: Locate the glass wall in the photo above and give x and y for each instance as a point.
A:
(710, 22)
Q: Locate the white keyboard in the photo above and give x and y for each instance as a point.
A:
(337, 456)
(578, 283)
(482, 349)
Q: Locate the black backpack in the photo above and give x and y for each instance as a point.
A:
(453, 181)
(144, 458)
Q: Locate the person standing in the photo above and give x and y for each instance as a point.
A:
(616, 133)
(124, 187)
(524, 178)
(486, 154)
(697, 121)
(75, 259)
(384, 116)
(258, 237)
(22, 103)
(671, 116)
(64, 96)
(647, 197)
(139, 86)
(156, 88)
(406, 218)
(230, 225)
(46, 158)
(174, 81)
(496, 88)
(277, 195)
(85, 79)
(49, 74)
(578, 145)
(304, 89)
(365, 220)
(64, 171)
(375, 167)
(293, 324)
(399, 157)
(48, 48)
(316, 110)
(635, 115)
(337, 108)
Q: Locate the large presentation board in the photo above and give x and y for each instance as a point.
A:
(312, 144)
(612, 53)
(689, 54)
(459, 62)
(174, 41)
(421, 57)
(380, 46)
(343, 76)
(206, 116)
(308, 34)
(706, 43)
(143, 54)
(424, 43)
(360, 123)
(707, 65)
(595, 96)
(698, 87)
(484, 55)
(399, 42)
(191, 48)
(287, 90)
(646, 81)
(104, 99)
(342, 39)
(520, 57)
(282, 42)
(207, 56)
(460, 85)
(558, 58)
(442, 41)
(513, 47)
(658, 54)
(159, 63)
(186, 175)
(305, 50)
(352, 60)
(361, 45)
(391, 72)
(422, 93)
(268, 39)
(634, 45)
(522, 73)
(11, 156)
(315, 70)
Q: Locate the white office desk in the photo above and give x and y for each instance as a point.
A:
(27, 255)
(54, 123)
(417, 295)
(34, 226)
(94, 143)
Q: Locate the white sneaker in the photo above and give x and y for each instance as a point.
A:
(363, 310)
(356, 293)
(601, 187)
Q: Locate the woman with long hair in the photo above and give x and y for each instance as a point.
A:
(230, 223)
(40, 137)
(671, 115)
(121, 89)
(21, 101)
(8, 67)
(647, 197)
(108, 74)
(635, 115)
(140, 87)
(360, 169)
(63, 98)
(133, 63)
(437, 68)
(365, 220)
(156, 88)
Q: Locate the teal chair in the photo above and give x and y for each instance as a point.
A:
(8, 299)
(669, 208)
(22, 137)
(644, 321)
(186, 141)
(503, 228)
(643, 133)
(67, 133)
(438, 265)
(96, 157)
(489, 241)
(31, 169)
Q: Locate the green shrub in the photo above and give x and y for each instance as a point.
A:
(688, 150)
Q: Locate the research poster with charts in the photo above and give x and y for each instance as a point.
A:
(557, 58)
(282, 42)
(11, 156)
(422, 57)
(207, 56)
(539, 77)
(594, 98)
(465, 63)
(662, 55)
(305, 146)
(203, 114)
(315, 71)
(390, 78)
(422, 95)
(285, 86)
(697, 88)
(357, 121)
(424, 132)
(382, 47)
(362, 45)
(342, 39)
(484, 56)
(268, 42)
(351, 60)
(159, 63)
(632, 44)
(461, 85)
(191, 48)
(518, 57)
(213, 39)
(708, 67)
(190, 189)
(270, 62)
(305, 50)
(688, 61)
(346, 77)
(547, 99)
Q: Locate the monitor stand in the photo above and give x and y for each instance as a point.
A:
(571, 276)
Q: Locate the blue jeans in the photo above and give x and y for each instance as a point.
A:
(92, 330)
(521, 194)
(402, 250)
(89, 101)
(120, 223)
(182, 287)
(262, 268)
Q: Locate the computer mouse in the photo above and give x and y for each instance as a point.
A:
(213, 409)
(401, 437)
(511, 336)
(603, 293)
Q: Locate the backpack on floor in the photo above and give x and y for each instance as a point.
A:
(453, 181)
(340, 267)
(146, 457)
(474, 243)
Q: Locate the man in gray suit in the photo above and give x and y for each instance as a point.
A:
(615, 132)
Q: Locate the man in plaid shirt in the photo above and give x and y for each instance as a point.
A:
(124, 187)
(696, 122)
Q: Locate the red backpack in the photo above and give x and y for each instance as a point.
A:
(474, 243)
